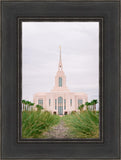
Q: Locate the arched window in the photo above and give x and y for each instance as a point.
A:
(60, 82)
(49, 102)
(64, 103)
(55, 104)
(70, 102)
(60, 105)
(40, 102)
(60, 101)
(80, 101)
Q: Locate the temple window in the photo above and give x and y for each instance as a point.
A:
(80, 101)
(64, 103)
(70, 102)
(60, 101)
(40, 102)
(55, 104)
(49, 102)
(60, 105)
(60, 82)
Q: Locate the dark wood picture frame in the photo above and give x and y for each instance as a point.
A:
(109, 144)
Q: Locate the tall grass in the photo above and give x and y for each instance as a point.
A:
(35, 123)
(83, 125)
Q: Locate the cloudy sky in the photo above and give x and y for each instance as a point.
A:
(40, 56)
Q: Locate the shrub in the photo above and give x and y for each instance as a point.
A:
(35, 123)
(73, 112)
(39, 108)
(81, 107)
(83, 125)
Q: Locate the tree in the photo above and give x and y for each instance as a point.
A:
(90, 104)
(23, 102)
(81, 107)
(39, 108)
(94, 102)
(28, 103)
(87, 104)
(32, 104)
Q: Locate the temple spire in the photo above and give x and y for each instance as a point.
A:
(60, 67)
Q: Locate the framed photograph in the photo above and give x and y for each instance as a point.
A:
(60, 79)
(60, 114)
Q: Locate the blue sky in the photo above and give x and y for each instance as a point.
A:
(40, 56)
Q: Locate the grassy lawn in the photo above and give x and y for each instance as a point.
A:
(83, 125)
(34, 123)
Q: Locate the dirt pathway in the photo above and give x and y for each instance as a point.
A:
(58, 131)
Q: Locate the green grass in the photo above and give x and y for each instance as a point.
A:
(83, 125)
(34, 123)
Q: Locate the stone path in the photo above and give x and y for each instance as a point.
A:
(58, 131)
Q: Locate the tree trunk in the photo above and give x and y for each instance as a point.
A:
(95, 108)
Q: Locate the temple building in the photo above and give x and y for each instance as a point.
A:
(60, 100)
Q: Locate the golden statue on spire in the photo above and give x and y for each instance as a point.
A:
(60, 50)
(60, 62)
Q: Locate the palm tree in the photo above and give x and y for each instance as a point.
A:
(81, 107)
(94, 102)
(39, 108)
(23, 102)
(27, 105)
(87, 104)
(32, 104)
(90, 104)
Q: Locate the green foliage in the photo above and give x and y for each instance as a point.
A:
(39, 108)
(23, 101)
(83, 125)
(95, 101)
(87, 104)
(35, 123)
(92, 103)
(46, 111)
(27, 104)
(73, 112)
(81, 107)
